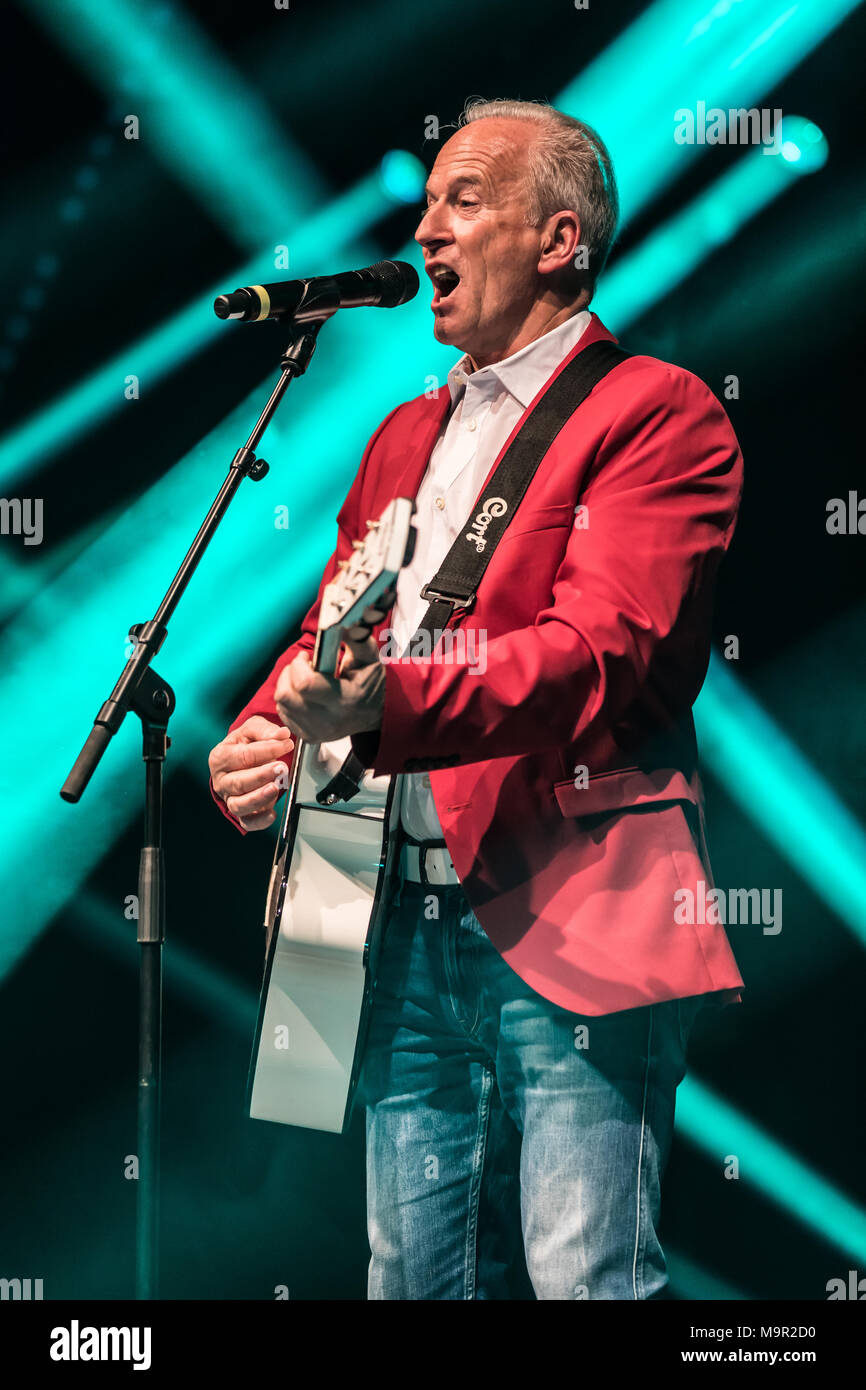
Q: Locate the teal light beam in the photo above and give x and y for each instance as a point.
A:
(770, 779)
(689, 1281)
(206, 124)
(679, 52)
(716, 1127)
(202, 984)
(23, 578)
(320, 237)
(669, 255)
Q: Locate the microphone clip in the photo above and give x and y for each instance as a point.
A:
(319, 301)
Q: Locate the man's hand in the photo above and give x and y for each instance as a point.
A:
(321, 708)
(246, 771)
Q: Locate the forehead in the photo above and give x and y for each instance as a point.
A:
(492, 151)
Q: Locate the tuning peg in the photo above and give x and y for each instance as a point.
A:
(342, 564)
(357, 545)
(373, 525)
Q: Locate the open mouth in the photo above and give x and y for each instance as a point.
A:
(445, 282)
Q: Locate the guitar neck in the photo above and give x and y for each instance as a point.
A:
(326, 654)
(326, 651)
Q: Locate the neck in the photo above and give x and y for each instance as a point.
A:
(542, 318)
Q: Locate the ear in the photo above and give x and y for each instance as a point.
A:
(560, 243)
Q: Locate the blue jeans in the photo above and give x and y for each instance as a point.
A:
(514, 1149)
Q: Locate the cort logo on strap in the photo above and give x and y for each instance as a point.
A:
(494, 506)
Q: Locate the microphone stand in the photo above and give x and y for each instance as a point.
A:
(141, 690)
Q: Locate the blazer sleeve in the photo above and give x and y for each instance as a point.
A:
(350, 526)
(631, 604)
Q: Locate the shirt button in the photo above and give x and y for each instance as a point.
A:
(440, 502)
(470, 424)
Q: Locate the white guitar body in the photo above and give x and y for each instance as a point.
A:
(317, 980)
(328, 895)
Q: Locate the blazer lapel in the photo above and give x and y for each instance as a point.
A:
(419, 446)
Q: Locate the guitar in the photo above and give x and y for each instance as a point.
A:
(329, 885)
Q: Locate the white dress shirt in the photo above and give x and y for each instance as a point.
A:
(485, 407)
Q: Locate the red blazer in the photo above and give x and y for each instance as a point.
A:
(597, 643)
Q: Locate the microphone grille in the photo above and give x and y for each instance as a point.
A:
(399, 281)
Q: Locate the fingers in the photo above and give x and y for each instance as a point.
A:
(361, 650)
(299, 685)
(258, 822)
(370, 618)
(255, 730)
(249, 770)
(243, 781)
(230, 756)
(255, 804)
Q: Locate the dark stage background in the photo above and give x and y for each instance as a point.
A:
(123, 400)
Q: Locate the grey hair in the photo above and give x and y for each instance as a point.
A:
(569, 167)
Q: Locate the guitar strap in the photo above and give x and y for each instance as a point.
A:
(456, 582)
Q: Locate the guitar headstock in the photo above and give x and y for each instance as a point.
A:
(372, 568)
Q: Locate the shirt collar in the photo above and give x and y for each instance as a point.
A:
(525, 372)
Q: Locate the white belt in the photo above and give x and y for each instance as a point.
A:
(427, 864)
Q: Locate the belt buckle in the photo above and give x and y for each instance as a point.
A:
(422, 863)
(422, 866)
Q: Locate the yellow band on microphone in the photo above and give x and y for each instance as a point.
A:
(264, 301)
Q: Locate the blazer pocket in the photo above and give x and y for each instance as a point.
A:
(539, 519)
(623, 790)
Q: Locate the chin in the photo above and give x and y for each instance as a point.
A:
(451, 330)
(443, 332)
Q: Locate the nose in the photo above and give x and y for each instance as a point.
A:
(432, 231)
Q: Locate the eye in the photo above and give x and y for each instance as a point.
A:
(467, 203)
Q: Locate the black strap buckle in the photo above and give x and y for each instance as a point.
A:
(454, 600)
(345, 783)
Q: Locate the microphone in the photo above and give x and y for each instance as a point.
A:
(382, 286)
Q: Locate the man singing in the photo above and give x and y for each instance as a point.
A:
(537, 981)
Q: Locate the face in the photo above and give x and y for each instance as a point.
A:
(480, 253)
